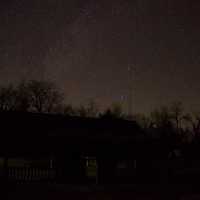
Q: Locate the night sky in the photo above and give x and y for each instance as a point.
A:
(87, 46)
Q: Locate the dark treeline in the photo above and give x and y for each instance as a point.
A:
(31, 96)
(165, 143)
(45, 97)
(169, 122)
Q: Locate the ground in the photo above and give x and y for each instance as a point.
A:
(126, 192)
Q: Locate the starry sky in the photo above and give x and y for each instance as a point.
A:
(87, 48)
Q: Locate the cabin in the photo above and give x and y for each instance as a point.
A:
(51, 147)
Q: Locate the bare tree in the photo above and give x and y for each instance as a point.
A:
(194, 120)
(69, 110)
(7, 98)
(23, 100)
(177, 113)
(160, 117)
(88, 110)
(115, 111)
(92, 109)
(37, 96)
(82, 111)
(44, 96)
(143, 120)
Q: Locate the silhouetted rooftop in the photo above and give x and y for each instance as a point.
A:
(22, 132)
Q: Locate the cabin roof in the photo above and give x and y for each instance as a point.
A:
(55, 124)
(33, 132)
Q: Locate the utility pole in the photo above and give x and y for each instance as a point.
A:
(131, 92)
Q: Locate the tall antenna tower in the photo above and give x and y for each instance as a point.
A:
(131, 72)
